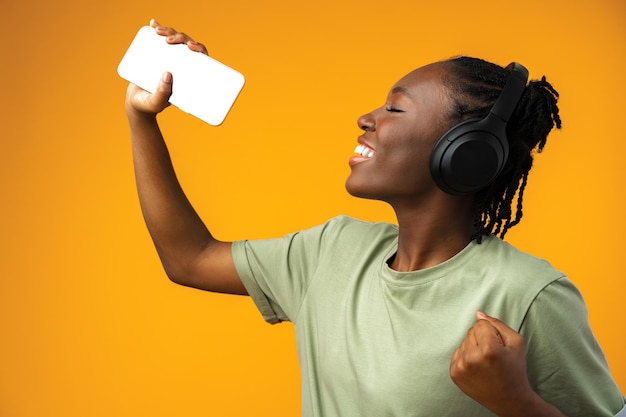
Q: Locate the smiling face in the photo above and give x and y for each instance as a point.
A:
(394, 149)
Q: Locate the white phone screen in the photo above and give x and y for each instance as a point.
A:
(202, 86)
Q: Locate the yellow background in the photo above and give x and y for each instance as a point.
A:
(90, 325)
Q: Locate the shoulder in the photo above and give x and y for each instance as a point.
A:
(509, 279)
(523, 270)
(353, 225)
(512, 256)
(344, 228)
(340, 232)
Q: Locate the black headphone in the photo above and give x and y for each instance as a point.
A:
(471, 154)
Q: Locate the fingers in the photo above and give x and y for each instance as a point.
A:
(486, 334)
(507, 335)
(141, 102)
(480, 353)
(174, 37)
(490, 364)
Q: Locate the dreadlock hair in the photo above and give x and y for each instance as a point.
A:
(475, 85)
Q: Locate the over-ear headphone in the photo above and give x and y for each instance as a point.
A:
(471, 154)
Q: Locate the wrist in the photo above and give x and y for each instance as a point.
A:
(531, 405)
(138, 116)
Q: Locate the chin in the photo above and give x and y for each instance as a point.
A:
(360, 190)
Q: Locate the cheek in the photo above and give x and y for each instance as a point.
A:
(408, 164)
(410, 167)
(408, 153)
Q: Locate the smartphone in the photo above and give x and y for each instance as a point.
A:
(202, 86)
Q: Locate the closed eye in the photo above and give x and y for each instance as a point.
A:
(393, 110)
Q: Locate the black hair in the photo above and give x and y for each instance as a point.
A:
(475, 85)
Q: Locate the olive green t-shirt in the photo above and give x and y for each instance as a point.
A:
(376, 342)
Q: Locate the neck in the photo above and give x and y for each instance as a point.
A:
(431, 235)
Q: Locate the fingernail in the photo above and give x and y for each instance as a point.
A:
(167, 78)
(480, 315)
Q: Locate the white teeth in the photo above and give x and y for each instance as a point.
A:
(364, 151)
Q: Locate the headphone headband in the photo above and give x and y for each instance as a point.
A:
(511, 93)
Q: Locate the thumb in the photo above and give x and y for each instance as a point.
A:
(164, 90)
(507, 334)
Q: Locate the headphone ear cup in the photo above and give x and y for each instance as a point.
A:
(467, 158)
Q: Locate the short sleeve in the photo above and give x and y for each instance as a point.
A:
(566, 365)
(277, 272)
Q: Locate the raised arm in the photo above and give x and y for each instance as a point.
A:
(190, 255)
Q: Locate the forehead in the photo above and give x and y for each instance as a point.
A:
(424, 83)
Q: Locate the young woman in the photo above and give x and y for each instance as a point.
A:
(392, 320)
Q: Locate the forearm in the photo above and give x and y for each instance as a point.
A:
(178, 232)
(534, 406)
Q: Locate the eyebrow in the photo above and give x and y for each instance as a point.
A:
(401, 90)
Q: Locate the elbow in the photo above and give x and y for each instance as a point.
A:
(185, 275)
(179, 267)
(177, 273)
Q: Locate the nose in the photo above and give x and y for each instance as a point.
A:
(367, 122)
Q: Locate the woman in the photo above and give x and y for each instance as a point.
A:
(386, 317)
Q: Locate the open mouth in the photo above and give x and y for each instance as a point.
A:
(364, 151)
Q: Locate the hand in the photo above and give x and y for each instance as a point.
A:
(173, 37)
(490, 367)
(141, 102)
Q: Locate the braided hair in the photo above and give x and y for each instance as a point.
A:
(475, 85)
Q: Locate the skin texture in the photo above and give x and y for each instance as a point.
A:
(489, 366)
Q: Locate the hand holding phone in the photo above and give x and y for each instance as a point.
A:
(202, 86)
